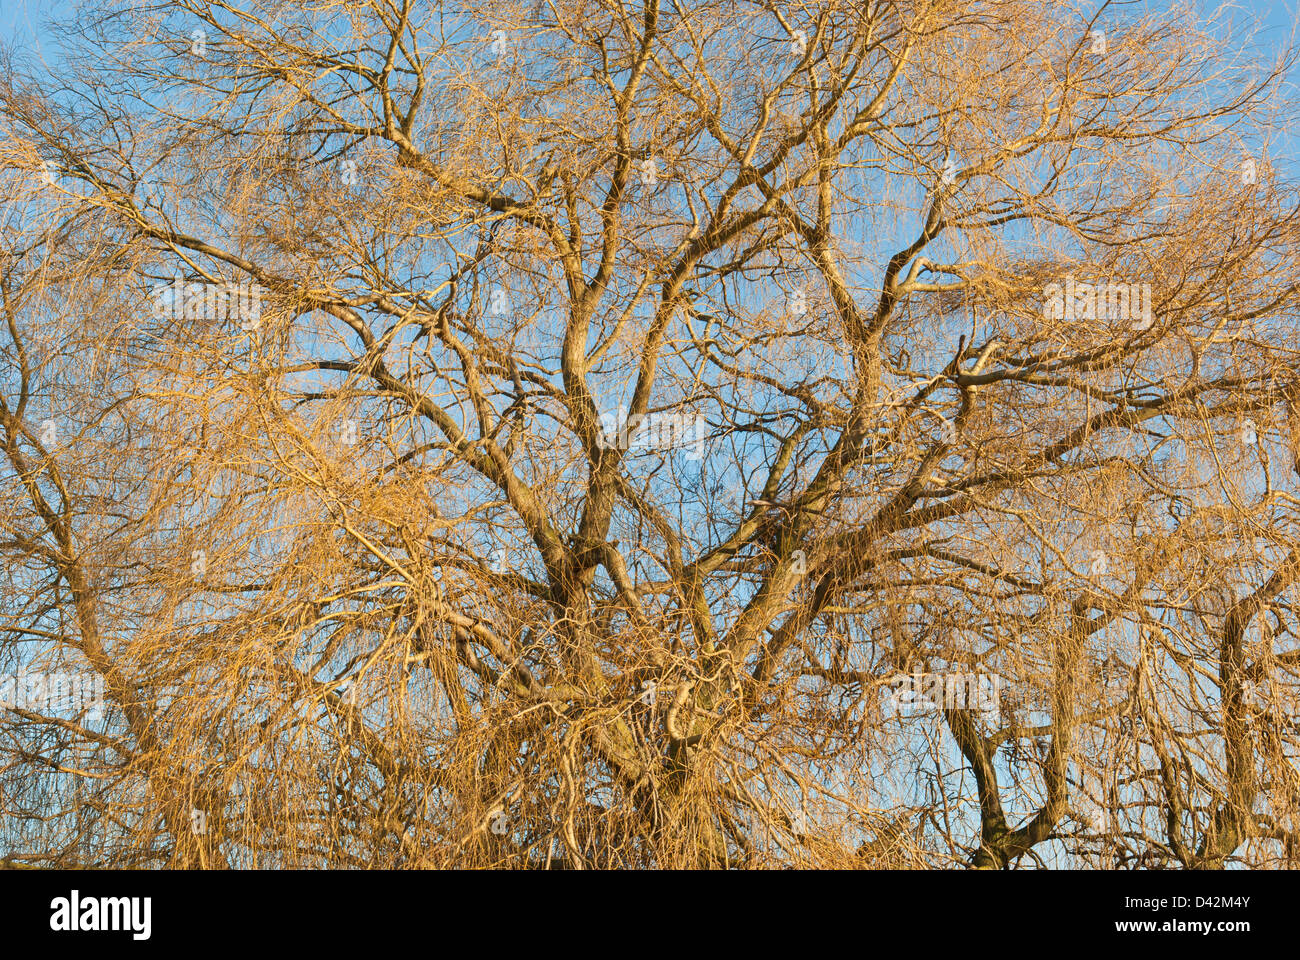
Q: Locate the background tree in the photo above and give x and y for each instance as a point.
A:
(371, 579)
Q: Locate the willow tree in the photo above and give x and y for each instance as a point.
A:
(591, 435)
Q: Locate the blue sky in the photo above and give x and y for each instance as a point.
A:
(26, 21)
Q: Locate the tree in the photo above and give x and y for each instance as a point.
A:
(600, 435)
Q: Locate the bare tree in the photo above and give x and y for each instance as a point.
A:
(582, 434)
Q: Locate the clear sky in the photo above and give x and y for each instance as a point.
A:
(25, 20)
(26, 25)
